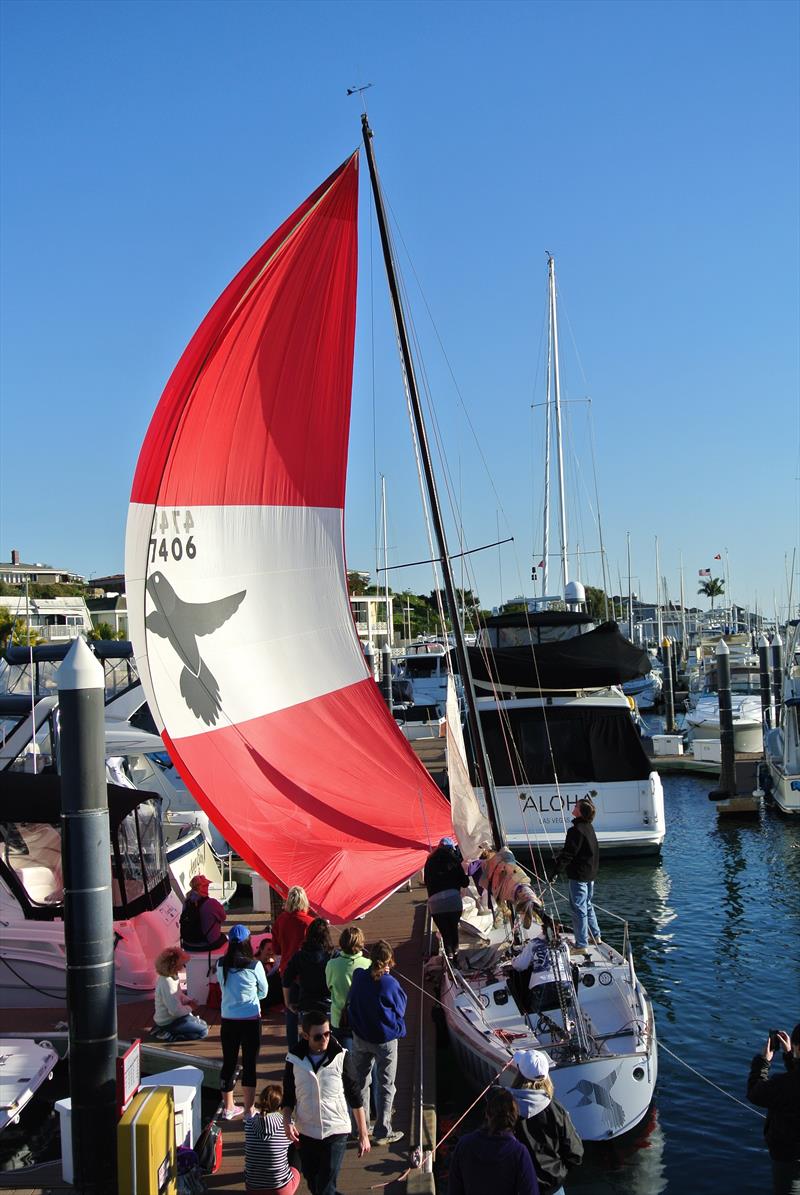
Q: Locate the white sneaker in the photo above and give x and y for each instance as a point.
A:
(232, 1113)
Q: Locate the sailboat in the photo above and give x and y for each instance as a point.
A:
(235, 569)
(550, 681)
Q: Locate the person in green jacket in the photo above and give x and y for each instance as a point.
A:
(339, 976)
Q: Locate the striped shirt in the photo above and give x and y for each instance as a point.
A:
(265, 1148)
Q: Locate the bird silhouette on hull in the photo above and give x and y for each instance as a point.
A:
(182, 624)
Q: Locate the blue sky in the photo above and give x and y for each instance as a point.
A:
(148, 148)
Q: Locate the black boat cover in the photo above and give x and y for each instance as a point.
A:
(37, 799)
(51, 653)
(590, 661)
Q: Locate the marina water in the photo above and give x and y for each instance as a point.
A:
(714, 926)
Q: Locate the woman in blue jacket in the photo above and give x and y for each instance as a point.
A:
(377, 1008)
(243, 983)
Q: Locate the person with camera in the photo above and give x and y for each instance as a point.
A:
(780, 1095)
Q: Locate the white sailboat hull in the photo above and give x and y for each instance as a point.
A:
(606, 1095)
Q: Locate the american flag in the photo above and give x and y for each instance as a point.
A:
(704, 572)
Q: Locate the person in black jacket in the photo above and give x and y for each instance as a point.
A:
(444, 879)
(304, 985)
(781, 1097)
(544, 1125)
(580, 857)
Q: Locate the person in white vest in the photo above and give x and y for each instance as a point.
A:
(320, 1085)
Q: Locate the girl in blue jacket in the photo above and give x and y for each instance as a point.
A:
(243, 983)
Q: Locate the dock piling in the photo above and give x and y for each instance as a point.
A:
(669, 687)
(777, 676)
(727, 775)
(88, 922)
(764, 682)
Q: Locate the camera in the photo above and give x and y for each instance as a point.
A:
(774, 1040)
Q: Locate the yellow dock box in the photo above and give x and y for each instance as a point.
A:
(146, 1161)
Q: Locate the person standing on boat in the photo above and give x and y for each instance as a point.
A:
(201, 918)
(780, 1095)
(319, 1086)
(492, 1159)
(444, 878)
(244, 985)
(580, 858)
(544, 1126)
(377, 1009)
(288, 934)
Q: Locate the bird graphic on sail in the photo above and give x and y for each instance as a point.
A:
(237, 585)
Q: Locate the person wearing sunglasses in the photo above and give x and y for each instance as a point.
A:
(319, 1086)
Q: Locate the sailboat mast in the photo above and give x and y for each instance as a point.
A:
(630, 593)
(547, 438)
(562, 507)
(476, 731)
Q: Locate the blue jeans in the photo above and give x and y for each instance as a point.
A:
(384, 1055)
(188, 1028)
(321, 1162)
(584, 921)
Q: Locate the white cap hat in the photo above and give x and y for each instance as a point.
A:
(532, 1064)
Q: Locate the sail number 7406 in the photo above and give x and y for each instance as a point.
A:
(171, 536)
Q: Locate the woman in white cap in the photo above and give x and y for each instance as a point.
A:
(544, 1125)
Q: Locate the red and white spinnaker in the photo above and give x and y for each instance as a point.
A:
(236, 582)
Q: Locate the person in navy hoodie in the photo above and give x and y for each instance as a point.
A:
(492, 1159)
(377, 1008)
(243, 983)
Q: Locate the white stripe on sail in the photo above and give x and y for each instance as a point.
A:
(290, 637)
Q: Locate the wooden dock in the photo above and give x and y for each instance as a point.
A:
(402, 921)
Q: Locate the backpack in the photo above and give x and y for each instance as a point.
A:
(208, 1148)
(190, 923)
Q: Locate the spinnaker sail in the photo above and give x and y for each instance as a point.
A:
(237, 588)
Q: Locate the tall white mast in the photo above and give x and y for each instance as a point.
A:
(389, 627)
(562, 508)
(684, 645)
(659, 618)
(547, 437)
(630, 592)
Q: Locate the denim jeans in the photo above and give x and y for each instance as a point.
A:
(322, 1161)
(384, 1055)
(584, 921)
(188, 1028)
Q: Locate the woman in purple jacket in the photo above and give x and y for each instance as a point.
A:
(377, 1006)
(492, 1159)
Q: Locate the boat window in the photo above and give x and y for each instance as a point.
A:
(419, 666)
(139, 865)
(33, 852)
(589, 744)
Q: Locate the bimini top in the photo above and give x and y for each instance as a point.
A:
(237, 588)
(591, 661)
(37, 799)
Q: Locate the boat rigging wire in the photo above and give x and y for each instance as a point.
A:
(453, 555)
(710, 1082)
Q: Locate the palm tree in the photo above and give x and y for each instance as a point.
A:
(712, 588)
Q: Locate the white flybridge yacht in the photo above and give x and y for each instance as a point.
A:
(135, 755)
(782, 743)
